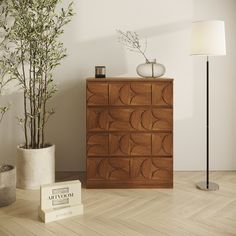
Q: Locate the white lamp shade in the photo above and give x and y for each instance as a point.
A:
(208, 38)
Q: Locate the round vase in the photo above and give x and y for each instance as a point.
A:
(7, 185)
(151, 69)
(35, 167)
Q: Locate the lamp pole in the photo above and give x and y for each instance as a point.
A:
(207, 123)
(206, 185)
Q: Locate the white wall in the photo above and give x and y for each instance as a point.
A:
(91, 40)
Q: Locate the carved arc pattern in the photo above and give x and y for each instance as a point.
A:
(162, 144)
(108, 169)
(128, 169)
(119, 94)
(147, 119)
(162, 93)
(108, 119)
(97, 119)
(153, 169)
(119, 144)
(118, 119)
(97, 94)
(140, 119)
(130, 94)
(135, 144)
(140, 94)
(140, 144)
(162, 119)
(97, 145)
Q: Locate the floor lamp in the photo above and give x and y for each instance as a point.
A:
(208, 39)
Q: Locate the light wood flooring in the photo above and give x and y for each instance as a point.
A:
(182, 211)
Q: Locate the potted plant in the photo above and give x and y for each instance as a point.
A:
(7, 185)
(7, 172)
(31, 53)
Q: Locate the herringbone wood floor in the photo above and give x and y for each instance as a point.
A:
(135, 212)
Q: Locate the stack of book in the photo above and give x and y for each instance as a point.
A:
(60, 201)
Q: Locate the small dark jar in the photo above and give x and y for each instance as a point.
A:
(100, 72)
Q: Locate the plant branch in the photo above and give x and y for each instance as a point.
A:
(132, 42)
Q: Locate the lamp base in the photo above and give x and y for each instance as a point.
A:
(211, 187)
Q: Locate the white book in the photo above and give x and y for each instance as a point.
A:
(60, 194)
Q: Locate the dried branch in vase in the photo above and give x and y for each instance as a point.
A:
(131, 40)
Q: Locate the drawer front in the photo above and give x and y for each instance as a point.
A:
(162, 93)
(119, 144)
(97, 94)
(97, 144)
(162, 119)
(122, 170)
(108, 168)
(140, 119)
(156, 119)
(156, 93)
(97, 119)
(130, 144)
(159, 169)
(162, 144)
(119, 119)
(130, 93)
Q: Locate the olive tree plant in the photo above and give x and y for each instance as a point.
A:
(4, 80)
(3, 83)
(32, 50)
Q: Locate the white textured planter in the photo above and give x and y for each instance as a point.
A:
(35, 167)
(7, 185)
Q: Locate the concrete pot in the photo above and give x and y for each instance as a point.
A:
(7, 185)
(35, 167)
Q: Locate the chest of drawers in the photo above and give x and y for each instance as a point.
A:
(129, 133)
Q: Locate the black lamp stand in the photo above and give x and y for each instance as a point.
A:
(206, 185)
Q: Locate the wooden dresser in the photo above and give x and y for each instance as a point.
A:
(129, 133)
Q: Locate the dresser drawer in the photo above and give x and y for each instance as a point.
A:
(162, 144)
(129, 144)
(97, 94)
(104, 93)
(158, 119)
(162, 93)
(104, 172)
(128, 119)
(97, 144)
(108, 168)
(132, 144)
(130, 94)
(97, 119)
(162, 119)
(159, 169)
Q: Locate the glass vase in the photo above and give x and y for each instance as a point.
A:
(151, 69)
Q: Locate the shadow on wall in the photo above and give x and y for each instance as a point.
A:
(67, 128)
(10, 131)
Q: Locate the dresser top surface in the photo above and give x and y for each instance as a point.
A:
(134, 79)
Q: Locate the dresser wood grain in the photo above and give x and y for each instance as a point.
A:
(129, 133)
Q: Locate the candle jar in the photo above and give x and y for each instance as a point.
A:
(100, 72)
